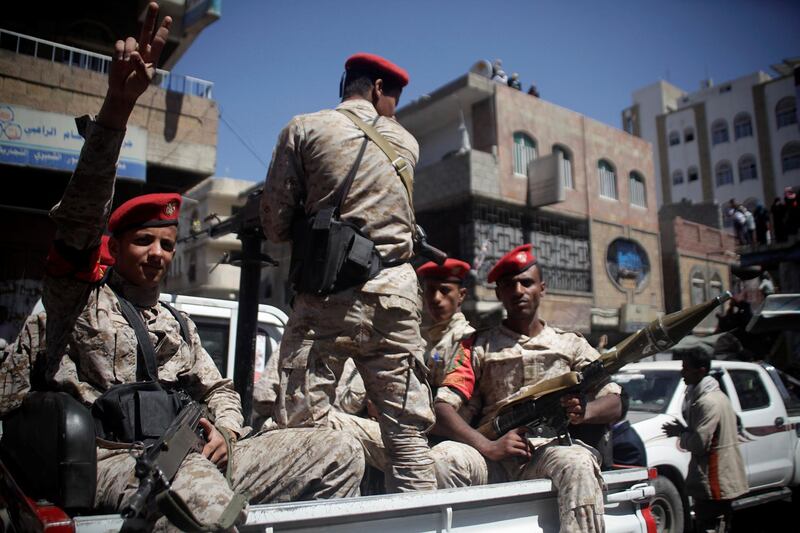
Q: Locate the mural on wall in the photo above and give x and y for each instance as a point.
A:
(627, 264)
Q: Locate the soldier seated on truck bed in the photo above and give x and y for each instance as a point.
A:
(92, 345)
(494, 365)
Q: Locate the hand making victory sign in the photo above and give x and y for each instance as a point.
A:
(133, 67)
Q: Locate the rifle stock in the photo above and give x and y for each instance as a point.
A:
(540, 404)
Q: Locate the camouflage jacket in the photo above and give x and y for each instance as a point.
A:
(90, 345)
(497, 363)
(312, 158)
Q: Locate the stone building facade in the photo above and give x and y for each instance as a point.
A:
(596, 240)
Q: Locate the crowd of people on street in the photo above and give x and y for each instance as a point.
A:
(763, 226)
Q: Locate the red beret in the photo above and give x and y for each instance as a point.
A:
(514, 262)
(105, 254)
(379, 65)
(451, 270)
(146, 211)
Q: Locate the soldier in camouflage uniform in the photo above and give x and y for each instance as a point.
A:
(446, 326)
(377, 323)
(492, 367)
(90, 347)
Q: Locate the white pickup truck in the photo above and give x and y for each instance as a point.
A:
(770, 424)
(528, 506)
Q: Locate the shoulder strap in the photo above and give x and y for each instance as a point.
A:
(181, 321)
(400, 165)
(344, 189)
(146, 351)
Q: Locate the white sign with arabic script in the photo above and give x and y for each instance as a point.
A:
(39, 139)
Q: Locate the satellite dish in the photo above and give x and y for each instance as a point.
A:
(483, 68)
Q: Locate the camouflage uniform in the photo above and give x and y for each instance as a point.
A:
(499, 363)
(91, 347)
(377, 323)
(442, 344)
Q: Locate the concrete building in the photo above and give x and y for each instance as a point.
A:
(739, 139)
(53, 63)
(696, 258)
(200, 267)
(597, 241)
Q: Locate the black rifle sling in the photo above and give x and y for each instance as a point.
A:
(344, 189)
(145, 350)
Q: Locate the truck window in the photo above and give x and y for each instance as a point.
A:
(787, 387)
(649, 390)
(752, 393)
(214, 336)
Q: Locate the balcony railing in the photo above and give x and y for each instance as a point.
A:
(75, 57)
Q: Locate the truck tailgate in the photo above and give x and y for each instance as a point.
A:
(528, 506)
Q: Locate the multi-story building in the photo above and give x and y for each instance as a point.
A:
(739, 139)
(53, 63)
(491, 156)
(202, 265)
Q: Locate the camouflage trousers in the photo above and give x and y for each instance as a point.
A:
(278, 466)
(368, 432)
(381, 334)
(573, 470)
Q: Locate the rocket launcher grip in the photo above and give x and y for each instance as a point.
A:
(540, 404)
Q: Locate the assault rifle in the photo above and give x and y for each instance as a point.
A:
(158, 463)
(539, 406)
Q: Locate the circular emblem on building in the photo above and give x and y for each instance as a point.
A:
(627, 264)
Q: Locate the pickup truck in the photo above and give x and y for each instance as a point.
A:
(528, 506)
(519, 506)
(769, 417)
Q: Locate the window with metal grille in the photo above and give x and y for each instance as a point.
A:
(688, 135)
(747, 168)
(742, 126)
(637, 190)
(790, 156)
(677, 177)
(524, 153)
(692, 174)
(786, 112)
(719, 132)
(724, 173)
(608, 179)
(674, 138)
(566, 165)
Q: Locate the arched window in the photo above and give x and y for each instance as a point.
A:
(608, 179)
(790, 156)
(674, 138)
(719, 132)
(747, 168)
(524, 153)
(724, 173)
(692, 174)
(688, 135)
(742, 126)
(677, 177)
(714, 285)
(638, 193)
(698, 290)
(566, 165)
(786, 112)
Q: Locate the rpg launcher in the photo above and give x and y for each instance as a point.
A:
(539, 406)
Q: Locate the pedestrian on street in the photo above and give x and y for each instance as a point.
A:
(716, 470)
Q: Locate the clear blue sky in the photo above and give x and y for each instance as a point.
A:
(270, 59)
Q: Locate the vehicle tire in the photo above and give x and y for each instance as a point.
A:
(667, 506)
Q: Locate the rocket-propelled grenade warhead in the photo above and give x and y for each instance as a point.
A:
(660, 335)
